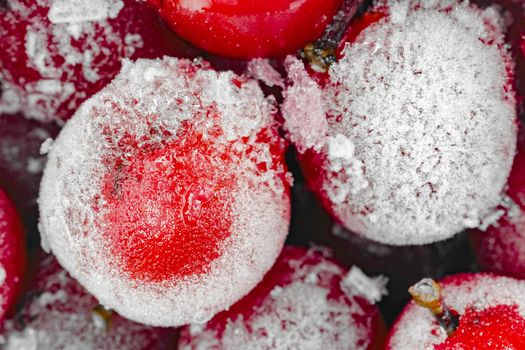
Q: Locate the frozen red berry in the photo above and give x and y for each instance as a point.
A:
(247, 29)
(482, 311)
(12, 255)
(409, 139)
(167, 194)
(501, 247)
(306, 301)
(54, 54)
(59, 314)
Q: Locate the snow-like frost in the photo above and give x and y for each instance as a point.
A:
(149, 101)
(426, 122)
(59, 314)
(301, 313)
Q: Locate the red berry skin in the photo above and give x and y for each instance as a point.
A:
(197, 232)
(109, 36)
(499, 327)
(12, 255)
(250, 28)
(523, 44)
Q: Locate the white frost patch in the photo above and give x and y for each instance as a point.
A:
(304, 110)
(3, 275)
(195, 5)
(356, 282)
(74, 11)
(261, 69)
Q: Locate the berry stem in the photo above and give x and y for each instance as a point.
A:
(322, 53)
(427, 293)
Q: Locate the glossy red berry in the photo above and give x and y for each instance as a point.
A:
(247, 29)
(167, 194)
(55, 54)
(490, 310)
(58, 313)
(12, 256)
(304, 302)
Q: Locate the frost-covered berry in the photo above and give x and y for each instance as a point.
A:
(167, 194)
(306, 301)
(411, 136)
(54, 54)
(59, 314)
(248, 29)
(501, 247)
(488, 313)
(12, 255)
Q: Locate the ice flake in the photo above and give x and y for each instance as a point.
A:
(356, 282)
(261, 69)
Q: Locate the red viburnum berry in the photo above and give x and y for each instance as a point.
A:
(406, 139)
(306, 301)
(248, 29)
(167, 194)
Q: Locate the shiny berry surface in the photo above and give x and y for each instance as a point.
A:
(249, 28)
(496, 328)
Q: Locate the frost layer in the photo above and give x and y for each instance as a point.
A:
(421, 123)
(165, 196)
(300, 304)
(59, 314)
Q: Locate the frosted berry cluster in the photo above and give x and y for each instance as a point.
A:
(161, 184)
(305, 302)
(412, 133)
